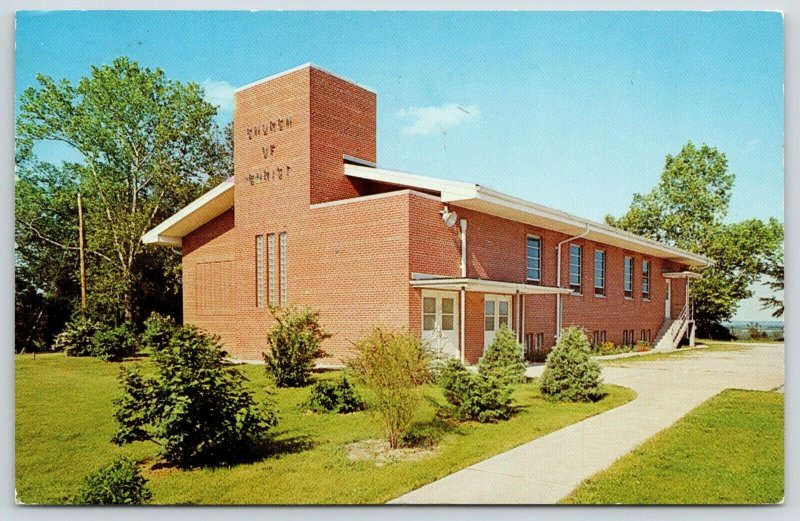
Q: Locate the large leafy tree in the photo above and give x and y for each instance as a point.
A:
(687, 209)
(147, 146)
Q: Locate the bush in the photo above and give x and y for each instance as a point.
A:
(120, 483)
(158, 330)
(195, 409)
(503, 359)
(392, 364)
(114, 344)
(570, 374)
(330, 396)
(642, 346)
(294, 342)
(76, 338)
(472, 396)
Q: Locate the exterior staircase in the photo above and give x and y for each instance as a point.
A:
(671, 332)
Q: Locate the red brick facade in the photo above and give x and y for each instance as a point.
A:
(352, 245)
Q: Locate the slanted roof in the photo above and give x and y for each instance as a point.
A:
(211, 204)
(485, 200)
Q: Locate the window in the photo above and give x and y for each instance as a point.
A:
(428, 313)
(272, 280)
(599, 337)
(599, 272)
(646, 279)
(502, 313)
(260, 271)
(629, 277)
(534, 342)
(534, 260)
(284, 296)
(448, 313)
(575, 254)
(627, 337)
(488, 315)
(645, 335)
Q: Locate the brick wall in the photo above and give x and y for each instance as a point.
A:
(352, 260)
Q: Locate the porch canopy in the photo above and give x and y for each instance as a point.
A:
(485, 286)
(686, 274)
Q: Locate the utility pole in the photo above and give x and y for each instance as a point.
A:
(81, 253)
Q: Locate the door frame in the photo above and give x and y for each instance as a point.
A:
(437, 335)
(496, 298)
(668, 299)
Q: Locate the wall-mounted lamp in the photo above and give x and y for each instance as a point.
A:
(448, 217)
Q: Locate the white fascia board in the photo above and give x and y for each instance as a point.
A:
(494, 197)
(450, 191)
(160, 234)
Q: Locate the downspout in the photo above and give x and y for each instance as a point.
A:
(462, 306)
(559, 318)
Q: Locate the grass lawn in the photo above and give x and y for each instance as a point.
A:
(728, 450)
(64, 423)
(652, 357)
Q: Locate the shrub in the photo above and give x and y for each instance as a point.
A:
(194, 408)
(642, 346)
(472, 396)
(330, 396)
(503, 359)
(158, 330)
(76, 338)
(114, 344)
(119, 483)
(294, 342)
(570, 374)
(392, 364)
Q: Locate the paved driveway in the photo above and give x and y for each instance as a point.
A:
(549, 468)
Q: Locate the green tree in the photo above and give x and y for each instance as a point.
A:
(196, 408)
(774, 272)
(687, 209)
(147, 145)
(570, 373)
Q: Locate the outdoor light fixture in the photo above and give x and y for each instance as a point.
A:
(449, 217)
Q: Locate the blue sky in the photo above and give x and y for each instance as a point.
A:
(571, 110)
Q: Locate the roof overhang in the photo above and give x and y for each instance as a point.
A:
(211, 204)
(686, 274)
(486, 286)
(485, 200)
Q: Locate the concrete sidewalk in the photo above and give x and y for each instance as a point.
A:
(549, 468)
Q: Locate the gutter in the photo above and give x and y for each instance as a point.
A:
(559, 311)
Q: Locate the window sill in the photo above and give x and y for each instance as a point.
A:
(575, 294)
(599, 296)
(628, 298)
(645, 299)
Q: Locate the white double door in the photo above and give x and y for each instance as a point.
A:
(440, 321)
(496, 312)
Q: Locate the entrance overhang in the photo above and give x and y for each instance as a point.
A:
(487, 286)
(681, 275)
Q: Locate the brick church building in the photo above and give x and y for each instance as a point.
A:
(309, 218)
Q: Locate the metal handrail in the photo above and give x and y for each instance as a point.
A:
(682, 319)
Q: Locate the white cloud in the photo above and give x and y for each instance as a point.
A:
(219, 93)
(433, 120)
